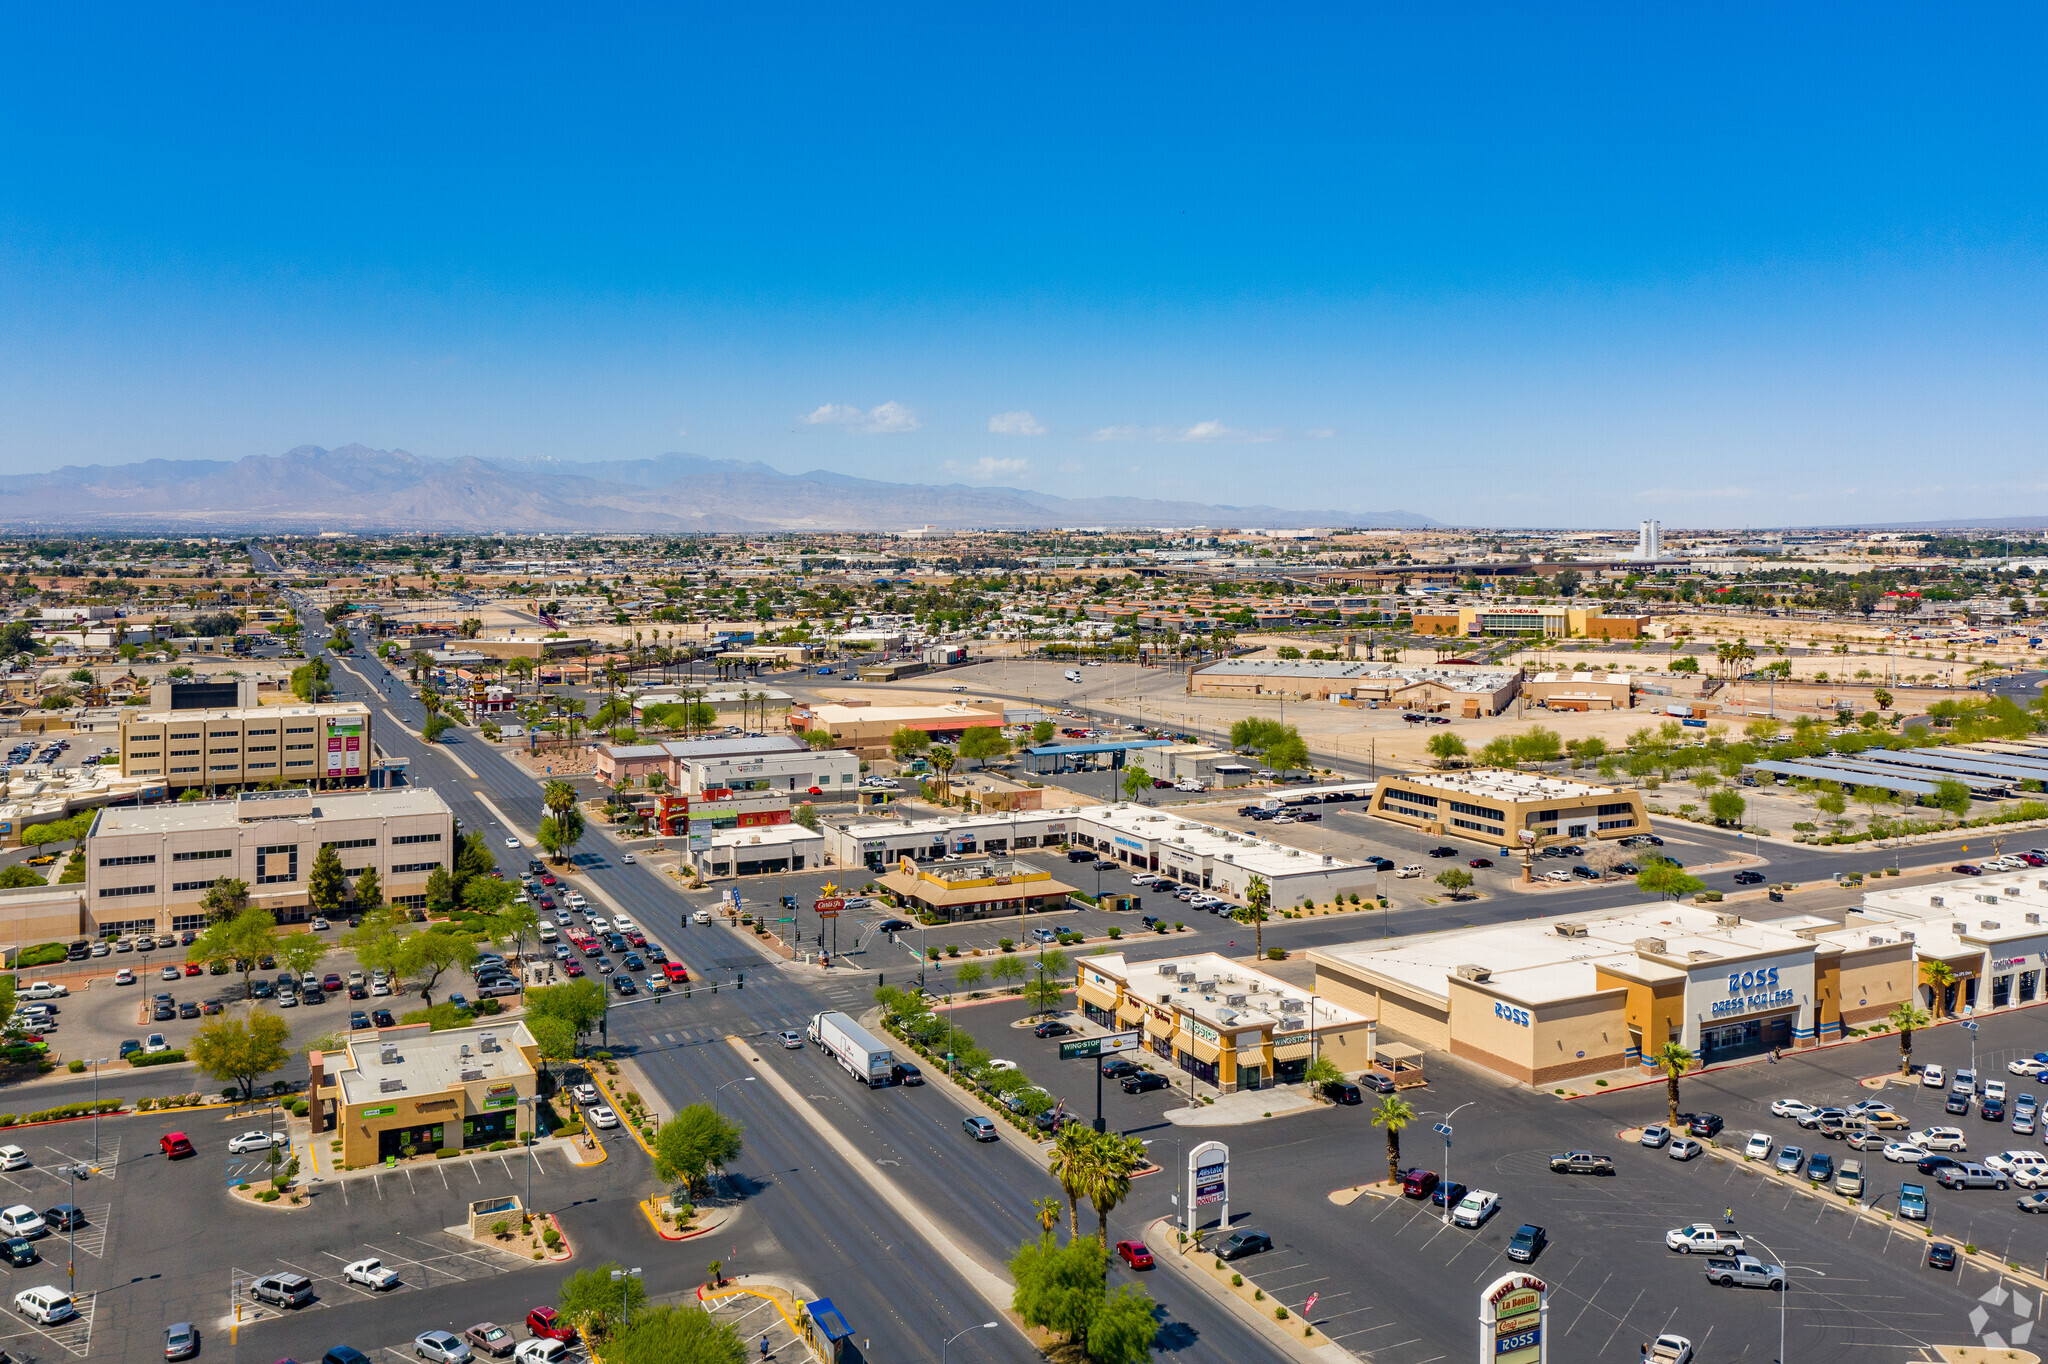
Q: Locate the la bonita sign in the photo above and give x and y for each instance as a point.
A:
(1512, 1315)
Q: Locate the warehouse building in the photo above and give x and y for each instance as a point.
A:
(866, 729)
(1461, 689)
(1221, 1021)
(1552, 999)
(395, 1092)
(1580, 691)
(1501, 805)
(148, 867)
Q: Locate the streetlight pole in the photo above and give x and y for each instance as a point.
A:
(985, 1326)
(1786, 1293)
(620, 1277)
(1179, 1179)
(743, 1080)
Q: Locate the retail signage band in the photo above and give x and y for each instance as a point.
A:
(1749, 991)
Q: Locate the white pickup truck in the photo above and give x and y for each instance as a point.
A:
(1704, 1237)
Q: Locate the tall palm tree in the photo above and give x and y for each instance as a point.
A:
(1116, 1156)
(1258, 895)
(1906, 1017)
(1048, 1214)
(1674, 1060)
(1393, 1114)
(1073, 1165)
(1939, 975)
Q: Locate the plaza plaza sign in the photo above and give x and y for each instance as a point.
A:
(1749, 991)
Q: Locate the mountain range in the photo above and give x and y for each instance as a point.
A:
(356, 488)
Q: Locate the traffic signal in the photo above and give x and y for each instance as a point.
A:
(741, 982)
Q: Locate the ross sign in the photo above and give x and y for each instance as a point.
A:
(1749, 991)
(1098, 1046)
(1512, 1315)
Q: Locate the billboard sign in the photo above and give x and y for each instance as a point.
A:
(1208, 1176)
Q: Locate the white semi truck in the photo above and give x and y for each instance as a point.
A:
(856, 1049)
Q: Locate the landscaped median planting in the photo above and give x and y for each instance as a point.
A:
(156, 1058)
(60, 1113)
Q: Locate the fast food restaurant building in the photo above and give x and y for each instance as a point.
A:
(1552, 999)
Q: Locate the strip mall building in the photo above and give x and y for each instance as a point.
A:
(1545, 1000)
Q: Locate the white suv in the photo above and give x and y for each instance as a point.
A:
(1927, 1139)
(46, 1306)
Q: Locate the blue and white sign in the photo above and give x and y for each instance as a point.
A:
(1208, 1175)
(1750, 991)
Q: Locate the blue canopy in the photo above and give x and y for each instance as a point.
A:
(828, 1320)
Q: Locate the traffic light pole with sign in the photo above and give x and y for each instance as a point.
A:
(827, 906)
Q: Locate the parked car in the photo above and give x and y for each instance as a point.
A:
(1969, 1175)
(1582, 1163)
(1475, 1208)
(283, 1290)
(1758, 1147)
(1242, 1243)
(370, 1273)
(1527, 1242)
(1685, 1148)
(441, 1347)
(1415, 1183)
(1144, 1081)
(490, 1338)
(1789, 1160)
(1656, 1135)
(1941, 1255)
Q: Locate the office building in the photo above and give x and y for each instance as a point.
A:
(148, 867)
(1497, 805)
(737, 763)
(327, 744)
(1537, 622)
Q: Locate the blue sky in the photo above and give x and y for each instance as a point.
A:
(1563, 266)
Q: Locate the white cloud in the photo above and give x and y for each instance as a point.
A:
(1201, 433)
(988, 467)
(682, 432)
(889, 419)
(1015, 424)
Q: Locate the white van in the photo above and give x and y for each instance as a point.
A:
(1073, 674)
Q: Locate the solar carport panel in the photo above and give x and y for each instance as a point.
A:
(1815, 772)
(1981, 785)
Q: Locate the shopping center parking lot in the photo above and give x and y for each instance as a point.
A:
(163, 1241)
(1394, 1281)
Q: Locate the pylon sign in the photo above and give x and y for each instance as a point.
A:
(1513, 1311)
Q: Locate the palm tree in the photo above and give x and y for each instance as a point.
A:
(1393, 1114)
(1116, 1156)
(1907, 1016)
(1258, 894)
(1939, 975)
(1674, 1060)
(1073, 1165)
(1048, 1214)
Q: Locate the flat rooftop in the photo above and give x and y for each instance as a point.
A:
(1263, 856)
(1340, 670)
(143, 715)
(186, 816)
(831, 713)
(430, 1062)
(1500, 783)
(1265, 997)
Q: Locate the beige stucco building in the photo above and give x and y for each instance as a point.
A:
(328, 744)
(393, 1088)
(1498, 805)
(1221, 1021)
(147, 867)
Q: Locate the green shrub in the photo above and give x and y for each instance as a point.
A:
(500, 1145)
(571, 1128)
(1276, 954)
(1236, 1280)
(162, 1058)
(446, 1152)
(42, 954)
(75, 1067)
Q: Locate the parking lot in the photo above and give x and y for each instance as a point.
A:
(1393, 1280)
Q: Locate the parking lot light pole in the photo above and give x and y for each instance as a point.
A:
(1179, 1177)
(1443, 1129)
(96, 1109)
(1971, 1028)
(620, 1277)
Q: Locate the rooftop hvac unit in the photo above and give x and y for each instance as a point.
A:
(1727, 920)
(1478, 973)
(390, 1056)
(1327, 859)
(1234, 1001)
(1654, 946)
(1699, 954)
(489, 1041)
(1908, 935)
(1226, 1016)
(1230, 857)
(2012, 890)
(1571, 930)
(1987, 899)
(391, 1086)
(1958, 928)
(1988, 925)
(462, 1050)
(1877, 940)
(1166, 999)
(1187, 977)
(1936, 901)
(2033, 918)
(1207, 986)
(1167, 968)
(472, 1075)
(1292, 1006)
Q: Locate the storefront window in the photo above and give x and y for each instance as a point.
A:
(488, 1127)
(1197, 1067)
(2001, 991)
(393, 1141)
(2029, 982)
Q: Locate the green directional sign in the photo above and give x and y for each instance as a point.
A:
(1098, 1046)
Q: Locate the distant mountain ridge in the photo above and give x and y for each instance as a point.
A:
(361, 489)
